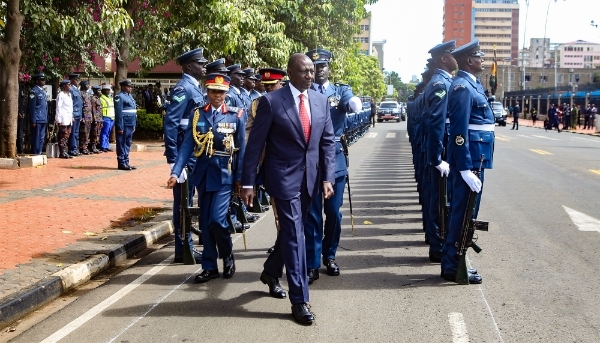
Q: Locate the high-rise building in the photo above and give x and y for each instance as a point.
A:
(494, 22)
(579, 54)
(364, 37)
(377, 51)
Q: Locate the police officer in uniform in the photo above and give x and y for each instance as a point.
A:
(215, 136)
(125, 120)
(77, 112)
(471, 136)
(97, 121)
(86, 118)
(322, 243)
(37, 109)
(185, 97)
(436, 102)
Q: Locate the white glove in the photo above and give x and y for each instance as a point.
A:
(444, 168)
(355, 104)
(182, 177)
(472, 180)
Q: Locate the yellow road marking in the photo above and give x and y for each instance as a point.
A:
(595, 171)
(502, 139)
(541, 152)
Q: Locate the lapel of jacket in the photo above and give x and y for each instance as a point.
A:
(289, 105)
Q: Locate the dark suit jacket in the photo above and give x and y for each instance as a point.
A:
(287, 154)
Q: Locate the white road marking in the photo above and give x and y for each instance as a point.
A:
(372, 134)
(390, 135)
(544, 137)
(528, 137)
(582, 220)
(94, 311)
(588, 139)
(459, 328)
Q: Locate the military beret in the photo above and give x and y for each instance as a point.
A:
(126, 82)
(192, 56)
(442, 48)
(470, 49)
(235, 69)
(319, 56)
(74, 76)
(217, 66)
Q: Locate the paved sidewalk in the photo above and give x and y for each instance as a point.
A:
(61, 213)
(540, 124)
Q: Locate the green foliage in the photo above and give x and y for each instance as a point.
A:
(362, 72)
(596, 77)
(401, 90)
(149, 121)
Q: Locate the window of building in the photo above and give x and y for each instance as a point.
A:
(527, 77)
(543, 78)
(560, 78)
(364, 40)
(365, 27)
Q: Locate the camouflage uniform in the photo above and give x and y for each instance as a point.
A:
(97, 122)
(64, 132)
(86, 123)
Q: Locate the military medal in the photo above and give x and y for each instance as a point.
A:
(226, 128)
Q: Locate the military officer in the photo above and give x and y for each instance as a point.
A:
(259, 89)
(436, 103)
(86, 117)
(237, 78)
(470, 137)
(185, 98)
(125, 120)
(322, 243)
(97, 121)
(37, 109)
(216, 137)
(249, 85)
(77, 111)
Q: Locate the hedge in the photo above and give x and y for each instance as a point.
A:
(149, 121)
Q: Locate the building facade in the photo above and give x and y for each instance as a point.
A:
(364, 37)
(458, 21)
(579, 55)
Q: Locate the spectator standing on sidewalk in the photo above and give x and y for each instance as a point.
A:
(574, 116)
(593, 112)
(534, 115)
(516, 112)
(566, 116)
(586, 117)
(64, 117)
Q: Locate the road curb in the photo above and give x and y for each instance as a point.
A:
(31, 298)
(579, 133)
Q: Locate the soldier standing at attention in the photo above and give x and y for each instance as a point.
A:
(77, 108)
(471, 136)
(185, 98)
(108, 115)
(64, 117)
(86, 117)
(216, 137)
(323, 243)
(436, 103)
(37, 109)
(125, 120)
(97, 121)
(237, 78)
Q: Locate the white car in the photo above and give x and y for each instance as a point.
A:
(389, 110)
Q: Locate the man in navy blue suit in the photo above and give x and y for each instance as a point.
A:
(295, 123)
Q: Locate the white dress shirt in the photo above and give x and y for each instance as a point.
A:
(64, 109)
(296, 94)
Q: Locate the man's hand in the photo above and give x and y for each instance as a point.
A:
(444, 168)
(237, 187)
(327, 190)
(247, 195)
(172, 182)
(120, 132)
(472, 180)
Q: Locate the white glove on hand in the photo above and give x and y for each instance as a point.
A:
(472, 180)
(355, 104)
(444, 168)
(182, 177)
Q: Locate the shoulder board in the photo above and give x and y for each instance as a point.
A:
(254, 107)
(233, 109)
(458, 86)
(339, 84)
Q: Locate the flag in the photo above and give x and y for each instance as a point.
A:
(494, 76)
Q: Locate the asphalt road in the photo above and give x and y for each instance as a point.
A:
(539, 269)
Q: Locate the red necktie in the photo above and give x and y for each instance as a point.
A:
(304, 118)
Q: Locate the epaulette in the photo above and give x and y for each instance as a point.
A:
(254, 107)
(339, 84)
(207, 107)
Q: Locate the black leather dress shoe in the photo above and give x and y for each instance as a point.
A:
(473, 278)
(313, 274)
(332, 267)
(435, 258)
(271, 249)
(275, 288)
(123, 167)
(132, 167)
(206, 275)
(228, 266)
(302, 314)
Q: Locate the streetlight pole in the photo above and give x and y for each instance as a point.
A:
(555, 62)
(524, 39)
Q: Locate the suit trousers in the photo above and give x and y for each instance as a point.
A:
(74, 137)
(319, 241)
(216, 237)
(458, 206)
(433, 210)
(290, 250)
(124, 141)
(38, 134)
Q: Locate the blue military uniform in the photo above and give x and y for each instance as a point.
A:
(436, 102)
(125, 121)
(214, 173)
(77, 113)
(37, 110)
(237, 99)
(322, 241)
(471, 135)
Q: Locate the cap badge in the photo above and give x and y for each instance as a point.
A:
(219, 80)
(267, 74)
(315, 56)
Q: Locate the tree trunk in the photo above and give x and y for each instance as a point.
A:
(10, 57)
(123, 59)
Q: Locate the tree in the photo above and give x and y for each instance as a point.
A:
(363, 73)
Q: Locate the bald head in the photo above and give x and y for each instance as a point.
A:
(301, 71)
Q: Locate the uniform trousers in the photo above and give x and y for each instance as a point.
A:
(216, 237)
(431, 230)
(124, 141)
(64, 133)
(38, 133)
(458, 206)
(95, 133)
(84, 134)
(290, 250)
(323, 243)
(105, 135)
(74, 137)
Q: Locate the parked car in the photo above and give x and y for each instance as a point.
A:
(388, 110)
(499, 113)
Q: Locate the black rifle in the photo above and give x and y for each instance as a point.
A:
(469, 225)
(345, 149)
(185, 214)
(444, 208)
